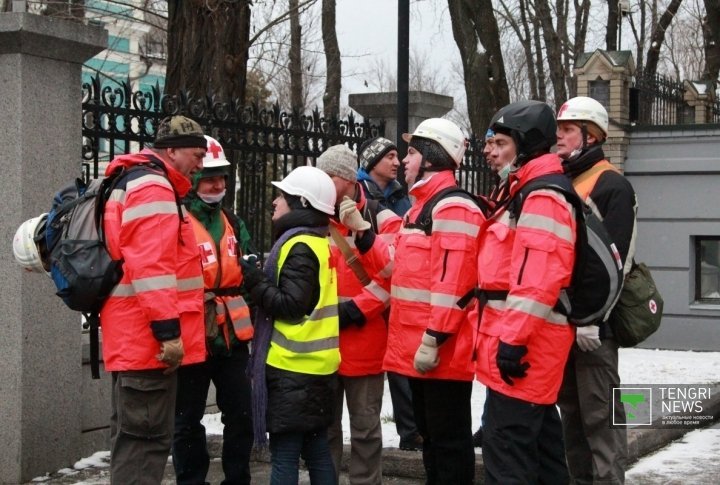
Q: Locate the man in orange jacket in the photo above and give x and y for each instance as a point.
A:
(523, 343)
(153, 320)
(429, 339)
(363, 329)
(228, 331)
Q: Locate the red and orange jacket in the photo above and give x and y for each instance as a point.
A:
(221, 269)
(429, 274)
(362, 348)
(532, 260)
(160, 295)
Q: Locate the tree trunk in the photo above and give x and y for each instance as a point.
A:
(331, 98)
(295, 64)
(658, 38)
(539, 66)
(611, 33)
(208, 47)
(553, 51)
(484, 73)
(711, 40)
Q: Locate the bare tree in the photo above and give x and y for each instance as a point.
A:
(554, 52)
(208, 47)
(711, 41)
(657, 38)
(295, 64)
(331, 97)
(484, 72)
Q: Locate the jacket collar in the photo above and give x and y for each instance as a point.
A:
(181, 183)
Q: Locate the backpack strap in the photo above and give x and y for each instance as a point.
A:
(424, 220)
(370, 212)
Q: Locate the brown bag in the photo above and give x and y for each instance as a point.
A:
(211, 326)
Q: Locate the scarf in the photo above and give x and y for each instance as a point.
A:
(261, 339)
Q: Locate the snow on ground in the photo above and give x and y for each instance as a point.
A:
(691, 459)
(637, 366)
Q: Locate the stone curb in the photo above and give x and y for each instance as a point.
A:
(408, 464)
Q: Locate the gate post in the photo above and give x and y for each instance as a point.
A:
(40, 147)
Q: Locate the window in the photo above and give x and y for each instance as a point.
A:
(600, 91)
(707, 269)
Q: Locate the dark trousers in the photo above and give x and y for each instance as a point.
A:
(443, 417)
(522, 442)
(141, 425)
(286, 449)
(190, 454)
(403, 414)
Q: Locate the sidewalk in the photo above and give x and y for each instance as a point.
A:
(399, 467)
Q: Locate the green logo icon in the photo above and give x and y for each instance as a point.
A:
(633, 400)
(636, 402)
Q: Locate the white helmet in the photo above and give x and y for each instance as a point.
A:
(25, 248)
(312, 184)
(215, 155)
(582, 108)
(446, 133)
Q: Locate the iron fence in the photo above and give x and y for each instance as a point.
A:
(261, 143)
(658, 100)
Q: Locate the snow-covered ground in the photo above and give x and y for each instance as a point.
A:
(637, 366)
(692, 459)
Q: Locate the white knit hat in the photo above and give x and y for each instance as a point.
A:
(340, 161)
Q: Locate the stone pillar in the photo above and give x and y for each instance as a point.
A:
(40, 340)
(421, 106)
(607, 77)
(700, 100)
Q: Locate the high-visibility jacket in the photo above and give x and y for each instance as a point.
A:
(532, 260)
(311, 345)
(429, 274)
(161, 291)
(221, 269)
(363, 348)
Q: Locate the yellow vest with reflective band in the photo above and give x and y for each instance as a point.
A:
(310, 346)
(224, 261)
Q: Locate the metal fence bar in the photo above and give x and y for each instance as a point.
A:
(262, 143)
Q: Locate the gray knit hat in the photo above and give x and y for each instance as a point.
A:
(179, 132)
(373, 150)
(340, 161)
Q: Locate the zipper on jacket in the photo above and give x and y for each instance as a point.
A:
(522, 267)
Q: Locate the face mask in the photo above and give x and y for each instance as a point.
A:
(212, 198)
(503, 173)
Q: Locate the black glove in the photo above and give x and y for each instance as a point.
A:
(350, 314)
(508, 361)
(252, 275)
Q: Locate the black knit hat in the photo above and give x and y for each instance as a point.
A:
(179, 132)
(373, 150)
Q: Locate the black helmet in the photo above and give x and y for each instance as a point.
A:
(531, 124)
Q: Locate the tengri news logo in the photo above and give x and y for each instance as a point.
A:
(636, 402)
(664, 405)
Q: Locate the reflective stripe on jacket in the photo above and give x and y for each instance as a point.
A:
(225, 262)
(532, 259)
(309, 346)
(162, 281)
(363, 348)
(429, 275)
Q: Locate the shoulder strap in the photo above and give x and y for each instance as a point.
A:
(372, 207)
(424, 219)
(585, 182)
(349, 256)
(557, 182)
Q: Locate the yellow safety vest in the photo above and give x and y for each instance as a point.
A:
(312, 345)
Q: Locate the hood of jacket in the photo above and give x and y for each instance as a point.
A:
(546, 164)
(181, 183)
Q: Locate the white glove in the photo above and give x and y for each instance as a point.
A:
(350, 216)
(426, 357)
(588, 338)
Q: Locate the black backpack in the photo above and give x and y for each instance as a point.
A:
(424, 220)
(80, 264)
(597, 276)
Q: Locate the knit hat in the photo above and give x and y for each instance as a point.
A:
(340, 161)
(373, 150)
(179, 132)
